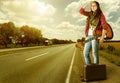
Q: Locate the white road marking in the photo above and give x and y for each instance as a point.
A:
(35, 56)
(70, 69)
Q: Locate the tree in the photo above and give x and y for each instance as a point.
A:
(31, 35)
(7, 32)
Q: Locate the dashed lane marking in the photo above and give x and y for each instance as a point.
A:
(35, 56)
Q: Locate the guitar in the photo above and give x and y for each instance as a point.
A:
(98, 32)
(109, 32)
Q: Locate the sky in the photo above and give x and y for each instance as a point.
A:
(57, 18)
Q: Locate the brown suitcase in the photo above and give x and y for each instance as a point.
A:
(94, 72)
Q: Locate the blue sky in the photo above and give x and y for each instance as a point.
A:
(57, 18)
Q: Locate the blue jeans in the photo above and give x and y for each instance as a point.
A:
(88, 46)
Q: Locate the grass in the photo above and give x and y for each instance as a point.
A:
(113, 55)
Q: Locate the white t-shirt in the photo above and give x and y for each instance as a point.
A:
(90, 32)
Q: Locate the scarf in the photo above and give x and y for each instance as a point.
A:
(93, 20)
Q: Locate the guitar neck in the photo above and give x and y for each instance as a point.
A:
(95, 37)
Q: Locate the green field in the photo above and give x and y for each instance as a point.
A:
(111, 51)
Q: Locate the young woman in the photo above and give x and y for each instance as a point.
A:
(95, 19)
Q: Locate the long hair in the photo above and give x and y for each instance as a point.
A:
(97, 12)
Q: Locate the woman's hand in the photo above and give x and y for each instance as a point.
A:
(101, 40)
(88, 3)
(103, 35)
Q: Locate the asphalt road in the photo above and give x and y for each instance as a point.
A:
(52, 64)
(45, 65)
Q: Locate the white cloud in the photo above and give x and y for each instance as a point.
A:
(118, 23)
(65, 30)
(116, 29)
(70, 31)
(27, 10)
(73, 8)
(65, 26)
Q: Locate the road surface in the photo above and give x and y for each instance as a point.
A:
(55, 64)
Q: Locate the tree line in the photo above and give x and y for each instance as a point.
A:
(10, 35)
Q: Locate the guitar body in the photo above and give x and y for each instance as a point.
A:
(109, 33)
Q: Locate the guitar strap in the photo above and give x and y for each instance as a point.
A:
(98, 30)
